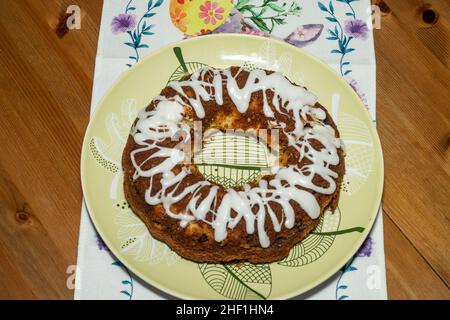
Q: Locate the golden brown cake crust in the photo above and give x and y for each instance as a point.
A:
(196, 241)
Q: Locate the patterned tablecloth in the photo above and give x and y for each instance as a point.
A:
(335, 31)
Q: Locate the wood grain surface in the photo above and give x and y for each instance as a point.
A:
(46, 75)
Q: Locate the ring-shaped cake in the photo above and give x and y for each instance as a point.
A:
(258, 222)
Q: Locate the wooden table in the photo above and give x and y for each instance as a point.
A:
(46, 78)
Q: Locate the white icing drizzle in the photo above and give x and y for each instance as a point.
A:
(253, 204)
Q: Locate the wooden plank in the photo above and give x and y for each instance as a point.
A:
(31, 264)
(413, 122)
(408, 273)
(45, 93)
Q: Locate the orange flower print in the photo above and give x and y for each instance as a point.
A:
(204, 31)
(179, 19)
(210, 12)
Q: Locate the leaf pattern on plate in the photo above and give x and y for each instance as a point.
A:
(185, 68)
(137, 241)
(239, 281)
(315, 245)
(360, 153)
(101, 159)
(106, 150)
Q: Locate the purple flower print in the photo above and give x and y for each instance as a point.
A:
(233, 24)
(100, 243)
(123, 23)
(357, 29)
(236, 24)
(305, 35)
(246, 29)
(357, 89)
(366, 248)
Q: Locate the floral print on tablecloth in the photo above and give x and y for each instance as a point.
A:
(196, 17)
(337, 23)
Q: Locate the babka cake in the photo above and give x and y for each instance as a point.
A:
(258, 222)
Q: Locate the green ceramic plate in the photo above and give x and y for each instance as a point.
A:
(337, 237)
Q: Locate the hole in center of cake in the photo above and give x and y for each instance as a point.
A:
(234, 159)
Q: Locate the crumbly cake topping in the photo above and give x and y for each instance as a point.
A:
(252, 204)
